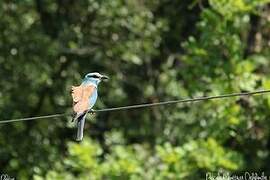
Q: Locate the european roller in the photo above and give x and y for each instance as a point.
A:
(84, 98)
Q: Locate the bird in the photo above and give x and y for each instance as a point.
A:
(84, 98)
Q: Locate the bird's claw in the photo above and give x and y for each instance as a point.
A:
(91, 111)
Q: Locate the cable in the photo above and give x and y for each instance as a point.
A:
(145, 105)
(182, 101)
(34, 118)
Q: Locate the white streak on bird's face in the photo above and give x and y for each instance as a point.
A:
(94, 78)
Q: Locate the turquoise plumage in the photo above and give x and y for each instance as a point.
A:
(84, 98)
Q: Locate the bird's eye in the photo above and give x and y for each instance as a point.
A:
(94, 76)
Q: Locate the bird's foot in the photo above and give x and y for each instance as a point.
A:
(92, 112)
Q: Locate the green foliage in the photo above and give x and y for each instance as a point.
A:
(136, 162)
(152, 51)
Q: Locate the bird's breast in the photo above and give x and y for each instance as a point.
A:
(93, 99)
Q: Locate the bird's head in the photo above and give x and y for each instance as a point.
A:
(95, 78)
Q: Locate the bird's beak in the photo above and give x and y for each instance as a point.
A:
(103, 77)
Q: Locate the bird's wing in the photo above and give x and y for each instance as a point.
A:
(76, 92)
(81, 95)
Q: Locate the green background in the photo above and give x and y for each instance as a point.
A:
(154, 50)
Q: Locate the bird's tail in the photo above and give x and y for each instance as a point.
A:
(80, 127)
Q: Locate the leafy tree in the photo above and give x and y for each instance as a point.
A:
(153, 51)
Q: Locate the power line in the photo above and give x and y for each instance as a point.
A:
(182, 101)
(204, 98)
(34, 118)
